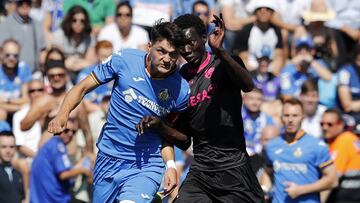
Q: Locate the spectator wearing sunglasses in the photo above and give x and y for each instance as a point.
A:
(344, 148)
(26, 31)
(47, 105)
(14, 75)
(27, 141)
(123, 33)
(202, 10)
(76, 41)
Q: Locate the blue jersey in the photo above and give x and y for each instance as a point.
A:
(134, 95)
(300, 162)
(98, 93)
(269, 84)
(50, 161)
(253, 128)
(10, 88)
(349, 76)
(291, 79)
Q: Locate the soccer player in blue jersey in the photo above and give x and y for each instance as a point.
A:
(301, 163)
(129, 168)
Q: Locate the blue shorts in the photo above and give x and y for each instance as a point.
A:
(123, 180)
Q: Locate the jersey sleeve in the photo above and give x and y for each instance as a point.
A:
(344, 77)
(108, 69)
(62, 163)
(183, 99)
(323, 158)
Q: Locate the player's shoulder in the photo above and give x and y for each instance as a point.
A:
(128, 53)
(273, 143)
(314, 141)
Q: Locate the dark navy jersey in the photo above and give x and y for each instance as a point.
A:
(213, 117)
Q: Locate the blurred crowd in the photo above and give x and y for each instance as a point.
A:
(304, 49)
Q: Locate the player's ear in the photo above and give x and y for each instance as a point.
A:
(148, 47)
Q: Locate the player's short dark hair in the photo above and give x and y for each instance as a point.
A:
(6, 134)
(294, 102)
(188, 21)
(309, 85)
(169, 31)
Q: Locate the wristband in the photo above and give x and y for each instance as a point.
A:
(170, 164)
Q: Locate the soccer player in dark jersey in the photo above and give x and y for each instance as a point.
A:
(129, 168)
(220, 171)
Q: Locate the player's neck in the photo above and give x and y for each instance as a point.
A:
(291, 137)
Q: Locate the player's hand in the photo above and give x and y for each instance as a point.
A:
(148, 122)
(293, 190)
(216, 37)
(58, 124)
(170, 180)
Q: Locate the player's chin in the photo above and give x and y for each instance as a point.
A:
(165, 69)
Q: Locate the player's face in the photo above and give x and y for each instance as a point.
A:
(67, 135)
(310, 102)
(7, 148)
(57, 78)
(194, 50)
(162, 58)
(292, 116)
(11, 55)
(253, 101)
(330, 125)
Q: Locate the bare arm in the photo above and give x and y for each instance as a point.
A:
(65, 175)
(278, 61)
(72, 99)
(322, 71)
(346, 100)
(170, 177)
(26, 151)
(38, 109)
(327, 181)
(170, 134)
(232, 22)
(85, 127)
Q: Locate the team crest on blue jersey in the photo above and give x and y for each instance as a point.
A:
(298, 152)
(164, 95)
